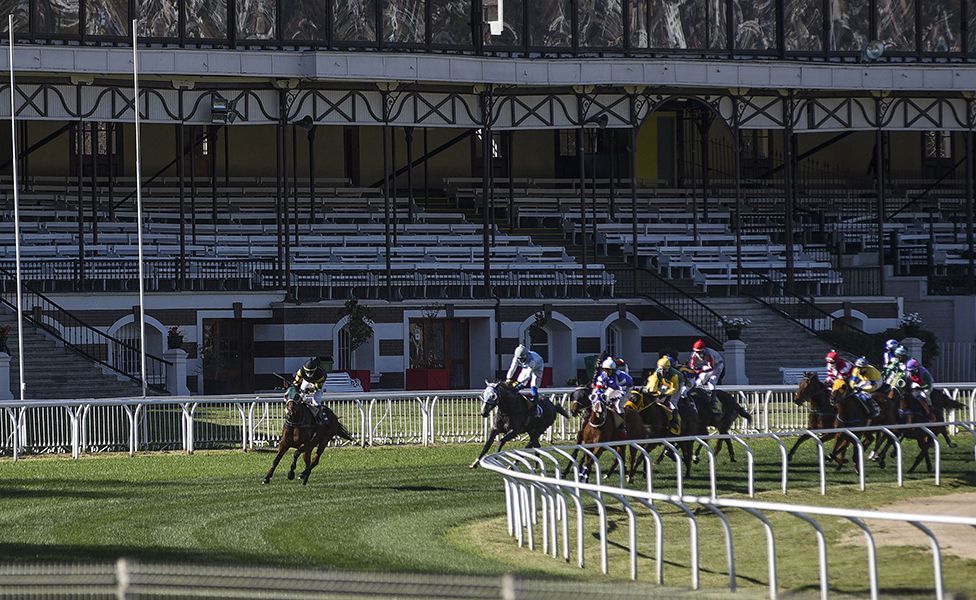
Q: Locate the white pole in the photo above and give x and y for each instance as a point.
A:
(142, 300)
(13, 147)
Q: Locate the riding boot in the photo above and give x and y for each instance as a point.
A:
(875, 410)
(673, 424)
(716, 405)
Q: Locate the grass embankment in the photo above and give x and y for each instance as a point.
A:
(420, 509)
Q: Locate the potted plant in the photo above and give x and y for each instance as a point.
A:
(911, 324)
(4, 336)
(174, 338)
(360, 328)
(734, 326)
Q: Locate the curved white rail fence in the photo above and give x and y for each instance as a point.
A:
(188, 423)
(538, 498)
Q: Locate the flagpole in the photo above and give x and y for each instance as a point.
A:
(13, 146)
(142, 299)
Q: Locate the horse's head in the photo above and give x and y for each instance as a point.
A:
(293, 400)
(489, 398)
(809, 387)
(578, 400)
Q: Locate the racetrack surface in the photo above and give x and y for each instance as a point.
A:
(401, 509)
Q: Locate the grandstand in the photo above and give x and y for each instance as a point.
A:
(477, 178)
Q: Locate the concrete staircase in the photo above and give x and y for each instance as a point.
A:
(54, 371)
(774, 341)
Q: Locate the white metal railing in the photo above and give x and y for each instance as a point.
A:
(247, 421)
(538, 496)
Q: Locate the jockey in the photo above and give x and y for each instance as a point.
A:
(922, 382)
(623, 367)
(707, 365)
(898, 365)
(311, 378)
(865, 380)
(889, 354)
(665, 383)
(612, 384)
(529, 366)
(837, 367)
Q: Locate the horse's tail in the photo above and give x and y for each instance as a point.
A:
(742, 412)
(559, 409)
(949, 404)
(344, 433)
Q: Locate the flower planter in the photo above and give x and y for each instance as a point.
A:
(733, 334)
(428, 379)
(174, 342)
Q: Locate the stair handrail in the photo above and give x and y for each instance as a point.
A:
(807, 303)
(687, 308)
(77, 334)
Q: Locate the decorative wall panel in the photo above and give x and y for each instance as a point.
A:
(941, 22)
(404, 21)
(354, 20)
(303, 20)
(450, 22)
(109, 18)
(601, 23)
(550, 23)
(718, 37)
(896, 24)
(511, 33)
(206, 19)
(678, 24)
(804, 25)
(638, 24)
(850, 22)
(158, 18)
(59, 17)
(18, 8)
(754, 24)
(256, 19)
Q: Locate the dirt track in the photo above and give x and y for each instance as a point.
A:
(957, 540)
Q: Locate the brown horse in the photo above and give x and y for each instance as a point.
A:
(601, 424)
(656, 417)
(303, 432)
(851, 412)
(821, 416)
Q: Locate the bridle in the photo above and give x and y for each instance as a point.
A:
(818, 407)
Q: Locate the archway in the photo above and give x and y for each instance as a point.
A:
(555, 341)
(621, 337)
(127, 358)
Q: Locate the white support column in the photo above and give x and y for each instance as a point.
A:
(914, 347)
(5, 391)
(176, 372)
(734, 352)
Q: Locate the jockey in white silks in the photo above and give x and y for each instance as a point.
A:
(529, 366)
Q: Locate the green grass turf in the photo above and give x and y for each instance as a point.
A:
(419, 509)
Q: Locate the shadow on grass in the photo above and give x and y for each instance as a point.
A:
(19, 552)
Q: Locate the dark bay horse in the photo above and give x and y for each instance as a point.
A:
(303, 432)
(851, 412)
(511, 419)
(821, 414)
(910, 412)
(657, 418)
(731, 410)
(599, 424)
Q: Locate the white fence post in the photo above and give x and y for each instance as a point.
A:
(6, 393)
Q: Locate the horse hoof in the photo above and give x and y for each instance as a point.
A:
(695, 460)
(265, 481)
(473, 465)
(291, 475)
(953, 445)
(731, 459)
(305, 481)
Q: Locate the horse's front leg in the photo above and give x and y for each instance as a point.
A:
(487, 446)
(507, 438)
(307, 455)
(294, 463)
(796, 444)
(282, 448)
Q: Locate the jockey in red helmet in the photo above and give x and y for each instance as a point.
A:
(837, 367)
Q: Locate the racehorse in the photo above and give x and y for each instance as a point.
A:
(851, 412)
(910, 412)
(303, 432)
(821, 415)
(511, 419)
(731, 410)
(657, 418)
(600, 424)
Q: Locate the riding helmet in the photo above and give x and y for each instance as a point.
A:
(609, 363)
(664, 363)
(521, 352)
(912, 365)
(311, 365)
(891, 345)
(699, 345)
(861, 362)
(831, 356)
(900, 352)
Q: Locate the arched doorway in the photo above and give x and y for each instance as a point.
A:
(622, 339)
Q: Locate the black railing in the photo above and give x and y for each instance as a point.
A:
(840, 333)
(630, 27)
(643, 283)
(116, 355)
